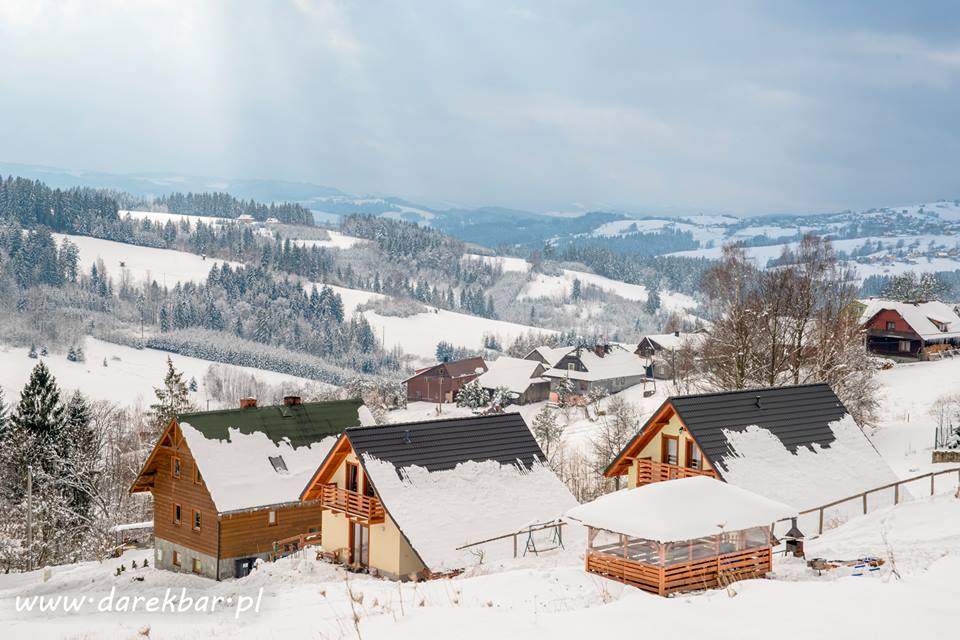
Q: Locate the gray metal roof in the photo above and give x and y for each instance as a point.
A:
(798, 415)
(437, 445)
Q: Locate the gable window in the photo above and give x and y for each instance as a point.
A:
(196, 520)
(352, 477)
(669, 449)
(693, 457)
(571, 366)
(891, 325)
(176, 467)
(197, 478)
(176, 559)
(271, 518)
(176, 514)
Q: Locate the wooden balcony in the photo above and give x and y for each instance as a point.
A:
(355, 505)
(649, 471)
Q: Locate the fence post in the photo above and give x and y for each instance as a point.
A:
(821, 519)
(514, 545)
(932, 483)
(864, 503)
(896, 493)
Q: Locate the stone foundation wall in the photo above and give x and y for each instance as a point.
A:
(946, 455)
(163, 559)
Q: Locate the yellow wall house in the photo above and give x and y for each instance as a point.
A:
(794, 444)
(401, 500)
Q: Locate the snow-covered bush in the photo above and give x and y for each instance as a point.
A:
(473, 395)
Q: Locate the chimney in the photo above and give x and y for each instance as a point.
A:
(290, 401)
(599, 350)
(248, 403)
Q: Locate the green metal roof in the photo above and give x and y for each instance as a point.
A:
(301, 424)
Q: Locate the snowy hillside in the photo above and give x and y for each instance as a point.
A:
(129, 377)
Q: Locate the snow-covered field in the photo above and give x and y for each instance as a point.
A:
(166, 266)
(129, 377)
(507, 263)
(337, 240)
(560, 287)
(546, 597)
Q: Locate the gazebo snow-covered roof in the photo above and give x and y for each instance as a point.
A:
(680, 510)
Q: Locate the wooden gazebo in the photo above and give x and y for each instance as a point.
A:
(683, 535)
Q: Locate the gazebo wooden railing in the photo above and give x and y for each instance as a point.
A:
(649, 471)
(691, 565)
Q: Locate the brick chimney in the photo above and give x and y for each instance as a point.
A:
(599, 350)
(248, 403)
(292, 400)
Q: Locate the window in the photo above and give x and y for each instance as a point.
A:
(159, 557)
(571, 366)
(197, 567)
(176, 514)
(904, 346)
(197, 478)
(279, 465)
(176, 467)
(694, 460)
(352, 477)
(891, 325)
(669, 447)
(176, 559)
(196, 520)
(271, 518)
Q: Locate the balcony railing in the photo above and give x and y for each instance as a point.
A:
(355, 505)
(649, 471)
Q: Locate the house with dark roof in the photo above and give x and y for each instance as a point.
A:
(794, 444)
(410, 501)
(605, 367)
(660, 352)
(441, 382)
(226, 484)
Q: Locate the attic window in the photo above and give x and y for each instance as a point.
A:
(278, 464)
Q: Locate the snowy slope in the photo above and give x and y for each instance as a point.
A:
(163, 217)
(546, 597)
(560, 287)
(129, 377)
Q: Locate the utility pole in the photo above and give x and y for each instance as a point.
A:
(29, 518)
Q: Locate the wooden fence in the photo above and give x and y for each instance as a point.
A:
(893, 485)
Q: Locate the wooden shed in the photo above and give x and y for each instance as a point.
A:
(685, 535)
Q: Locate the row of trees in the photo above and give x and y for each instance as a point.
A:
(793, 324)
(224, 205)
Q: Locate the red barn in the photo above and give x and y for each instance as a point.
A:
(441, 382)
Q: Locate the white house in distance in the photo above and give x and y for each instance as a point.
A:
(524, 379)
(609, 367)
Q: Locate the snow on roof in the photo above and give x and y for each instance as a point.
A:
(619, 363)
(551, 355)
(238, 471)
(442, 510)
(516, 374)
(919, 315)
(678, 510)
(132, 526)
(672, 341)
(813, 476)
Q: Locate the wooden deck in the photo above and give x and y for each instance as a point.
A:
(359, 507)
(687, 576)
(649, 471)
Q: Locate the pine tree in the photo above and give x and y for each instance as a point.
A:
(80, 453)
(173, 397)
(546, 429)
(164, 320)
(576, 291)
(40, 411)
(473, 395)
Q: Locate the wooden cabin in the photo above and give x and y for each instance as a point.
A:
(795, 444)
(441, 382)
(672, 537)
(910, 330)
(226, 484)
(401, 501)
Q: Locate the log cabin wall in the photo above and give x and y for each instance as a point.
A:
(250, 533)
(185, 491)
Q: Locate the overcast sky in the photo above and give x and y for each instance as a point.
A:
(742, 107)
